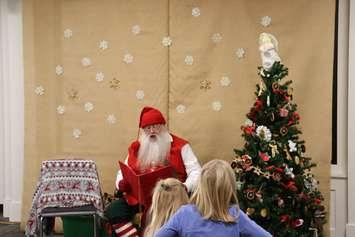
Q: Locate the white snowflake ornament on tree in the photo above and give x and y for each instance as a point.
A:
(264, 133)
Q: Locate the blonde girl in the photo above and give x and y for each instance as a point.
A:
(168, 196)
(214, 210)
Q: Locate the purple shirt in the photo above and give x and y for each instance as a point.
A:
(187, 221)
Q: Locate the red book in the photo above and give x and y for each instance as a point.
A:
(142, 185)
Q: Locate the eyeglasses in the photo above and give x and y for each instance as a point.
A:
(155, 128)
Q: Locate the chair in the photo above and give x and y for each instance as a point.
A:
(65, 188)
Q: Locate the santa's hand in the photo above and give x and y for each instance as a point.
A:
(123, 186)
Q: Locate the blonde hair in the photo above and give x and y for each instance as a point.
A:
(168, 195)
(216, 191)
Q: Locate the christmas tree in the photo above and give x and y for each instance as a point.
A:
(275, 185)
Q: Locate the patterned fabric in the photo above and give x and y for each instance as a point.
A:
(125, 229)
(65, 183)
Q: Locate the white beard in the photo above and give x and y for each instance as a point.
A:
(153, 151)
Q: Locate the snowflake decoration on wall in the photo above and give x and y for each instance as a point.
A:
(114, 83)
(136, 29)
(85, 62)
(59, 70)
(216, 105)
(205, 85)
(61, 109)
(225, 81)
(189, 60)
(196, 12)
(240, 53)
(167, 41)
(181, 109)
(68, 33)
(73, 94)
(100, 76)
(128, 58)
(265, 21)
(111, 119)
(103, 44)
(76, 132)
(140, 94)
(39, 90)
(216, 38)
(88, 106)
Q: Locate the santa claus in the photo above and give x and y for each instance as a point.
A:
(155, 147)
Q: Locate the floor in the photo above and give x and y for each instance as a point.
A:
(10, 229)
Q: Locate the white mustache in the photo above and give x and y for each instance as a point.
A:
(153, 152)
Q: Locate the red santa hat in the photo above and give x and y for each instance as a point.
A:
(150, 116)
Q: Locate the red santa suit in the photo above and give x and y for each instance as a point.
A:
(181, 157)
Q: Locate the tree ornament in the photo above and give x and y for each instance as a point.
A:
(290, 91)
(288, 156)
(261, 87)
(283, 130)
(250, 194)
(263, 212)
(303, 148)
(297, 160)
(274, 150)
(297, 223)
(283, 112)
(280, 202)
(250, 211)
(275, 86)
(271, 116)
(284, 218)
(276, 176)
(234, 164)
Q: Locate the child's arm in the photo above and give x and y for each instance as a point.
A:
(249, 228)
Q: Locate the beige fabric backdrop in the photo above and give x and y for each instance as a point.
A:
(303, 28)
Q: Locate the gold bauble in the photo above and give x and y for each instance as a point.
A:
(263, 212)
(250, 211)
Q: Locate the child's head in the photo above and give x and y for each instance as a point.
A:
(168, 196)
(216, 191)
